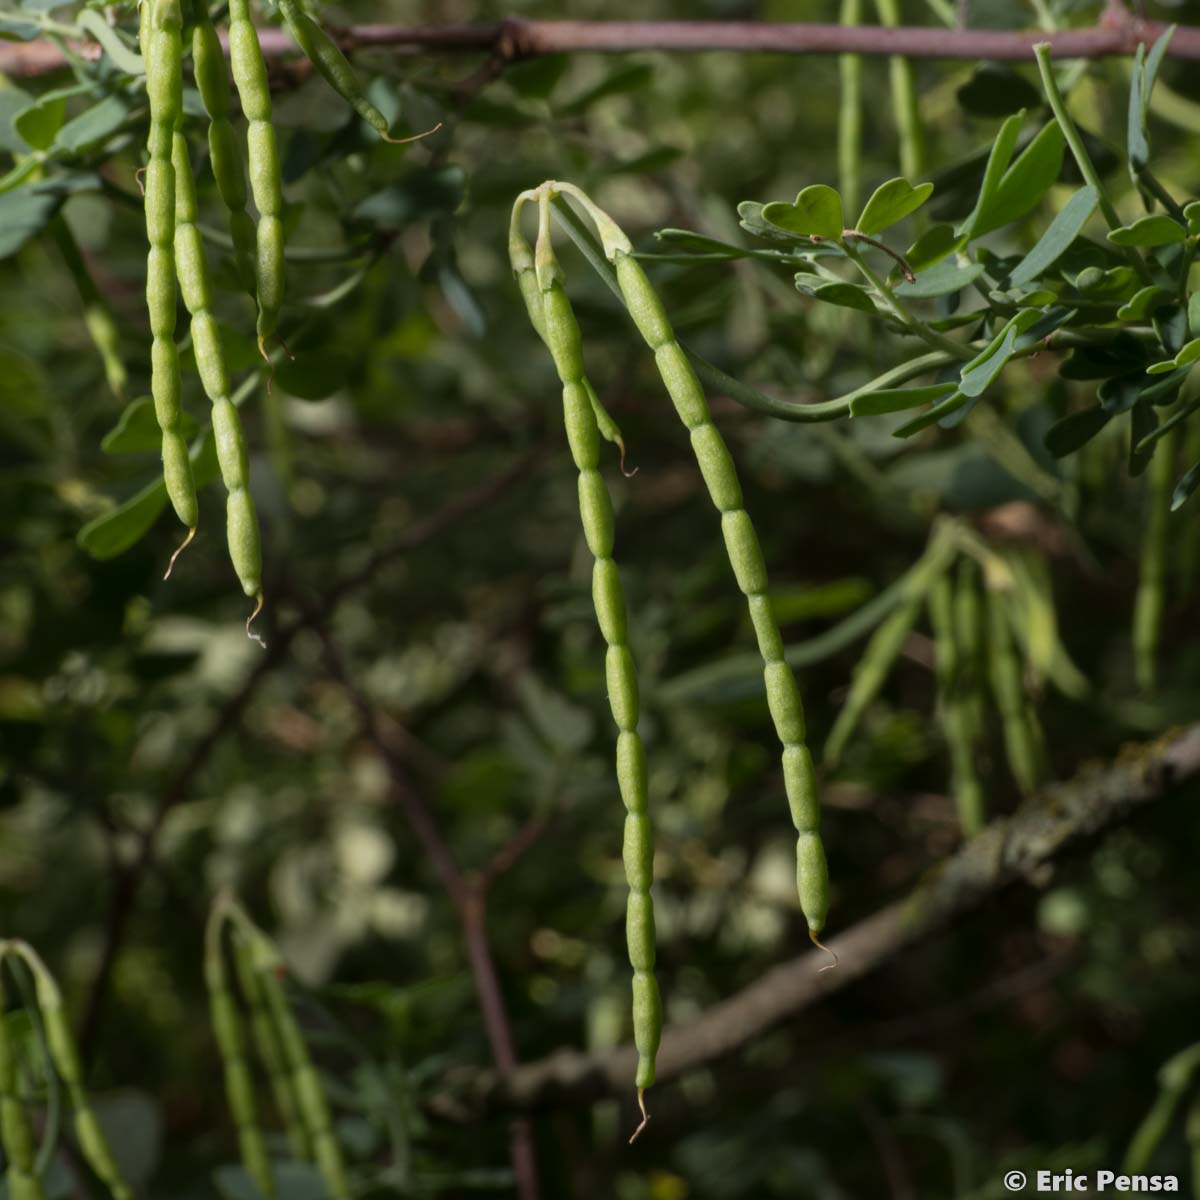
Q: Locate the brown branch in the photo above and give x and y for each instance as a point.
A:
(468, 896)
(1118, 33)
(1008, 850)
(129, 879)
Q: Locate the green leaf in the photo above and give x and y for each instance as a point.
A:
(1153, 61)
(686, 239)
(1120, 393)
(13, 101)
(998, 160)
(23, 214)
(1193, 314)
(944, 408)
(1185, 487)
(817, 212)
(889, 400)
(933, 245)
(1066, 436)
(846, 295)
(93, 125)
(137, 431)
(1143, 302)
(123, 58)
(1188, 354)
(978, 374)
(1025, 182)
(891, 202)
(1137, 148)
(1060, 233)
(1192, 213)
(940, 280)
(1155, 230)
(114, 532)
(39, 123)
(1142, 422)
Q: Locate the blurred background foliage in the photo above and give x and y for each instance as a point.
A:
(1030, 1035)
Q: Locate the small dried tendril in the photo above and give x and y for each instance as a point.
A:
(187, 541)
(637, 1133)
(820, 945)
(255, 637)
(416, 137)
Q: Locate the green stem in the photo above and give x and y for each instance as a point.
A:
(904, 314)
(1082, 159)
(850, 114)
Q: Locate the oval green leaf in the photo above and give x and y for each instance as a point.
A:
(1155, 230)
(891, 202)
(817, 212)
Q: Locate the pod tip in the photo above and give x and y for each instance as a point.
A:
(416, 137)
(637, 1133)
(820, 945)
(255, 637)
(187, 541)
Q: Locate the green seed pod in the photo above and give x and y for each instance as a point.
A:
(609, 601)
(304, 1082)
(955, 718)
(741, 544)
(231, 1042)
(224, 150)
(270, 1049)
(553, 319)
(16, 1134)
(245, 544)
(250, 78)
(870, 673)
(647, 1025)
(322, 51)
(163, 49)
(970, 638)
(1152, 579)
(812, 881)
(64, 1055)
(1004, 672)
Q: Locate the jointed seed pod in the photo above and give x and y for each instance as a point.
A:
(532, 295)
(1152, 581)
(64, 1053)
(231, 1042)
(870, 672)
(745, 557)
(305, 1081)
(955, 717)
(245, 545)
(250, 77)
(224, 149)
(16, 1134)
(164, 86)
(1021, 733)
(270, 1048)
(1174, 1079)
(560, 331)
(322, 51)
(969, 634)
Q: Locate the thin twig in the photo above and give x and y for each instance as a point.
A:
(1044, 829)
(515, 39)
